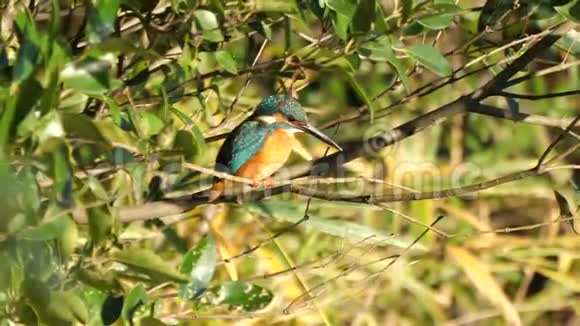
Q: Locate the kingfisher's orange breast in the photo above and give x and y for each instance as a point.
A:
(275, 152)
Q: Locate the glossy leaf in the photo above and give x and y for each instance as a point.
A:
(101, 19)
(68, 240)
(55, 307)
(66, 305)
(199, 263)
(102, 280)
(26, 98)
(149, 123)
(226, 61)
(438, 21)
(135, 298)
(62, 175)
(48, 231)
(406, 10)
(364, 16)
(147, 262)
(238, 295)
(80, 126)
(570, 42)
(275, 5)
(431, 59)
(91, 75)
(185, 143)
(345, 10)
(381, 50)
(494, 13)
(209, 25)
(29, 50)
(100, 225)
(20, 208)
(570, 10)
(359, 89)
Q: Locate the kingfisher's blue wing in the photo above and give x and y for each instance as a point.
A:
(242, 143)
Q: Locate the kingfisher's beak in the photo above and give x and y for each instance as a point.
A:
(306, 127)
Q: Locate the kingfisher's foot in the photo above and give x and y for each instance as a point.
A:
(268, 182)
(255, 183)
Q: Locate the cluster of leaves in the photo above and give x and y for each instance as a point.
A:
(99, 98)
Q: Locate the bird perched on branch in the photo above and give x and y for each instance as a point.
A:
(260, 145)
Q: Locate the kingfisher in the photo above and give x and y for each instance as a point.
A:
(262, 143)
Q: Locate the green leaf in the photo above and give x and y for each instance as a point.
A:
(185, 142)
(199, 263)
(362, 93)
(55, 307)
(20, 208)
(441, 18)
(91, 75)
(347, 63)
(100, 225)
(67, 306)
(381, 49)
(135, 298)
(565, 210)
(62, 174)
(226, 61)
(494, 14)
(9, 270)
(68, 240)
(209, 25)
(345, 10)
(407, 10)
(364, 16)
(47, 231)
(570, 43)
(238, 295)
(147, 262)
(18, 108)
(352, 231)
(80, 126)
(101, 19)
(431, 58)
(29, 49)
(103, 281)
(275, 5)
(148, 123)
(571, 10)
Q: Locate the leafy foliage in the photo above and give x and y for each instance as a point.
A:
(105, 105)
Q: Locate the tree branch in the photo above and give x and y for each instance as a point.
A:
(519, 116)
(461, 105)
(538, 96)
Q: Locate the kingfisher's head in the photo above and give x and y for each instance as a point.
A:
(287, 112)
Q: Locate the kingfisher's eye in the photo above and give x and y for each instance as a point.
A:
(291, 118)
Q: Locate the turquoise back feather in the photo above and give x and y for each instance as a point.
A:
(243, 143)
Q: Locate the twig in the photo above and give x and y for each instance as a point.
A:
(538, 96)
(246, 83)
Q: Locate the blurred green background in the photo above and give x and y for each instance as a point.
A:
(112, 104)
